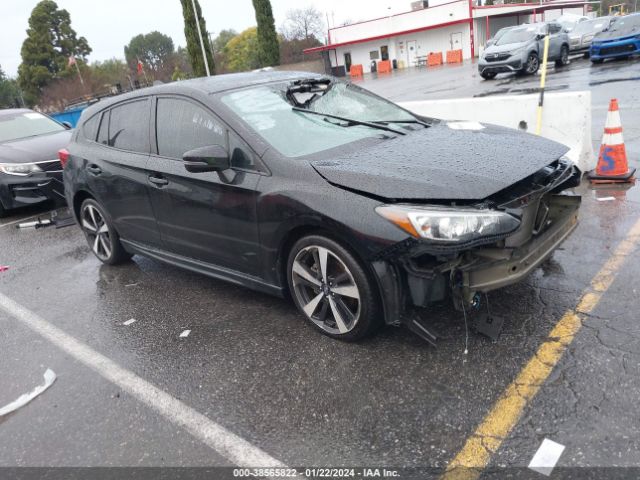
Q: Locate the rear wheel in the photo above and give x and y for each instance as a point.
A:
(488, 75)
(532, 65)
(100, 234)
(564, 57)
(331, 289)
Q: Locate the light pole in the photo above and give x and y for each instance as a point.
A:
(204, 53)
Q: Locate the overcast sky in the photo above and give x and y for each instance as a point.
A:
(108, 25)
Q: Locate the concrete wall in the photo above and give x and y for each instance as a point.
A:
(316, 66)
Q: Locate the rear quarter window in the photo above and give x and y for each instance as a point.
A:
(129, 126)
(90, 128)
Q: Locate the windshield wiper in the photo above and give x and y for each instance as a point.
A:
(417, 122)
(350, 120)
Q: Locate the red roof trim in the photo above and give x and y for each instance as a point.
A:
(379, 37)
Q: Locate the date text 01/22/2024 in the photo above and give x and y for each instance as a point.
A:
(316, 472)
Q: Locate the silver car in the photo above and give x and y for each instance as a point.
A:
(581, 36)
(520, 50)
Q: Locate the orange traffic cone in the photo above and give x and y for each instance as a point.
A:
(612, 162)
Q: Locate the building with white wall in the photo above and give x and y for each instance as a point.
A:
(443, 25)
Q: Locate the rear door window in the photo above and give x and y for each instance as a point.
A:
(181, 125)
(129, 126)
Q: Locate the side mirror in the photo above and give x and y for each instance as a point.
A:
(540, 36)
(67, 125)
(489, 42)
(214, 158)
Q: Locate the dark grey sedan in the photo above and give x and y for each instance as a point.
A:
(30, 171)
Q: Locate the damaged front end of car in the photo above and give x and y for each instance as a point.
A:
(460, 251)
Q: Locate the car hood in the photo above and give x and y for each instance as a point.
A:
(442, 162)
(507, 47)
(34, 149)
(616, 35)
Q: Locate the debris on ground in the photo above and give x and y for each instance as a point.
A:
(129, 322)
(22, 400)
(185, 333)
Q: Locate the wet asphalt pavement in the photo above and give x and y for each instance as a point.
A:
(254, 367)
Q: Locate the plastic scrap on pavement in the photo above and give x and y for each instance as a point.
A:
(185, 333)
(22, 400)
(3, 268)
(546, 457)
(129, 322)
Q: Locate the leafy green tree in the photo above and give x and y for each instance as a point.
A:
(153, 49)
(46, 50)
(268, 49)
(222, 39)
(193, 41)
(241, 52)
(9, 92)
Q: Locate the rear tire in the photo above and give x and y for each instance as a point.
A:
(488, 75)
(101, 236)
(564, 57)
(332, 289)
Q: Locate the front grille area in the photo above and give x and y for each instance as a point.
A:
(497, 57)
(629, 48)
(51, 166)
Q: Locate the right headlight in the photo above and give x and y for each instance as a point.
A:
(449, 225)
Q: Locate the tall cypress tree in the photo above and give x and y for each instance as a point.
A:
(268, 48)
(193, 41)
(46, 50)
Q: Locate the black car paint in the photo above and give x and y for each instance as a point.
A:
(18, 191)
(252, 217)
(442, 164)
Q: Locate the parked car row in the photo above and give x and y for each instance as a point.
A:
(519, 48)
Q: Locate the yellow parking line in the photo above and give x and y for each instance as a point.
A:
(504, 415)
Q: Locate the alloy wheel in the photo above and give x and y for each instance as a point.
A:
(97, 232)
(325, 289)
(532, 64)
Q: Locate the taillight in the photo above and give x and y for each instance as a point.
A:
(63, 155)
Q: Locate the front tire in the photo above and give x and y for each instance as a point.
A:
(564, 57)
(332, 290)
(3, 212)
(597, 61)
(102, 238)
(532, 65)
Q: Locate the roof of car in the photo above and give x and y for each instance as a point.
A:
(8, 111)
(207, 85)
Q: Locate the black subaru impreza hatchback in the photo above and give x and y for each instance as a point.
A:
(306, 186)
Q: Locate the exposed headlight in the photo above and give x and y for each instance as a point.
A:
(587, 38)
(22, 169)
(449, 225)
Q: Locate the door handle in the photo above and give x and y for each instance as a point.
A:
(94, 170)
(159, 181)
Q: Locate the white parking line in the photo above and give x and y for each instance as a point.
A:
(237, 450)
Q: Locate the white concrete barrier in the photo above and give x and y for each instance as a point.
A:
(566, 117)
